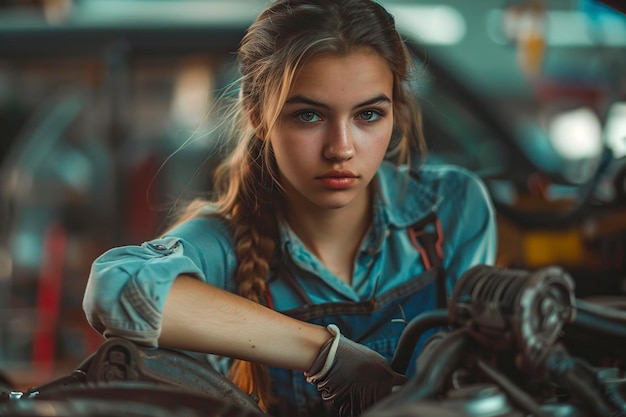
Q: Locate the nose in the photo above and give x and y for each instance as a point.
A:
(339, 143)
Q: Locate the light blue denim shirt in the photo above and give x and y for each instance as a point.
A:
(127, 286)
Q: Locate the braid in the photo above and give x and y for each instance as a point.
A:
(254, 249)
(254, 232)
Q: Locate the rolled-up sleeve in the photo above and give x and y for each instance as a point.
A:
(128, 285)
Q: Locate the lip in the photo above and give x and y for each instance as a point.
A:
(338, 179)
(343, 173)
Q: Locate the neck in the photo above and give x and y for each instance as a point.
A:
(334, 235)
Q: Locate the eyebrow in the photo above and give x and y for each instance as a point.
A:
(382, 98)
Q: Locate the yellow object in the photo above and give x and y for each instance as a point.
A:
(531, 49)
(563, 247)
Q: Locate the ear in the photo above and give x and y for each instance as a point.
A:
(254, 120)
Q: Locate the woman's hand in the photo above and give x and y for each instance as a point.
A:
(351, 377)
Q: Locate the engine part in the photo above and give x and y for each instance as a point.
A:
(507, 308)
(125, 398)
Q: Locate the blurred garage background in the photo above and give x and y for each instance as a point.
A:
(109, 118)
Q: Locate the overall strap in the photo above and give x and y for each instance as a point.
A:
(427, 237)
(286, 275)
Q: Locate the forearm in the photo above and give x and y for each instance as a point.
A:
(202, 318)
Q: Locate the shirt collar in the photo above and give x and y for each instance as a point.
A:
(400, 200)
(405, 197)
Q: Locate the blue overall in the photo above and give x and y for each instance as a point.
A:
(377, 323)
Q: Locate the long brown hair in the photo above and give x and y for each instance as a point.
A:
(273, 49)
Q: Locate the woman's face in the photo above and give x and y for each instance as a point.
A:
(334, 130)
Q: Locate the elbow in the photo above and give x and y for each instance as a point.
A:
(114, 307)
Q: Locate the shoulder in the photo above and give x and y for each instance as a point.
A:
(459, 191)
(432, 176)
(203, 233)
(413, 193)
(450, 179)
(201, 226)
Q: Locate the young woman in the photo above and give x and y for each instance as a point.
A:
(321, 240)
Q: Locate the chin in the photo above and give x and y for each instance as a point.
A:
(335, 204)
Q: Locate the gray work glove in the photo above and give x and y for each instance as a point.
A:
(351, 377)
